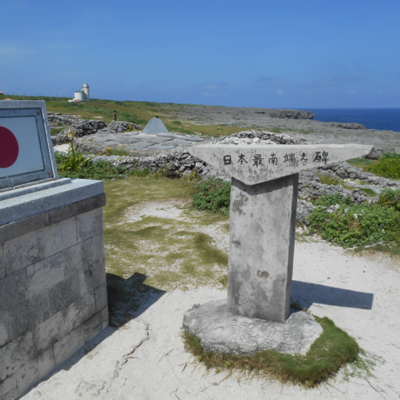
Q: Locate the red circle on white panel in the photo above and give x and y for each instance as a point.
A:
(9, 148)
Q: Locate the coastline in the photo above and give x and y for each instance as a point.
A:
(309, 131)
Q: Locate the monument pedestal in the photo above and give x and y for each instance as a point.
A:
(222, 331)
(53, 294)
(256, 315)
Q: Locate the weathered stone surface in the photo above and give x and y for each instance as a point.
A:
(15, 355)
(344, 170)
(92, 277)
(98, 248)
(8, 388)
(303, 210)
(41, 366)
(45, 274)
(377, 152)
(162, 147)
(101, 297)
(68, 345)
(36, 246)
(78, 257)
(261, 246)
(2, 263)
(4, 327)
(222, 331)
(80, 311)
(140, 145)
(96, 324)
(50, 331)
(54, 279)
(257, 137)
(13, 289)
(64, 293)
(28, 205)
(261, 163)
(89, 224)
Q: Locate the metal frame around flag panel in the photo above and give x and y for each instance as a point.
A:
(37, 108)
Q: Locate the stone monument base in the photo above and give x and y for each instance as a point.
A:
(224, 332)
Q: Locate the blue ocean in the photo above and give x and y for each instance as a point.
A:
(372, 118)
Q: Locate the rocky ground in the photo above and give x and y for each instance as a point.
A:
(297, 125)
(170, 150)
(145, 358)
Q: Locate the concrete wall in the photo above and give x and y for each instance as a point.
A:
(53, 296)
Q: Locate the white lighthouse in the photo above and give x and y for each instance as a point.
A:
(81, 95)
(85, 89)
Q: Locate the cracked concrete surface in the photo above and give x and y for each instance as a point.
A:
(145, 359)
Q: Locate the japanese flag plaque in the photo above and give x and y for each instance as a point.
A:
(256, 314)
(26, 151)
(51, 238)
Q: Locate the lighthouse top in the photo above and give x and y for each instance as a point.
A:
(26, 151)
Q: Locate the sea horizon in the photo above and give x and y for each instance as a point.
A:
(372, 118)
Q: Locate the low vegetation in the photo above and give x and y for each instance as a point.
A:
(171, 251)
(388, 166)
(332, 350)
(330, 180)
(350, 225)
(137, 112)
(213, 195)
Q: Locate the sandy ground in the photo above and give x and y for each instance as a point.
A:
(145, 359)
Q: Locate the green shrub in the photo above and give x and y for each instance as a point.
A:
(390, 198)
(357, 225)
(388, 166)
(213, 195)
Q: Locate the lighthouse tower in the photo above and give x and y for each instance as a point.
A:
(85, 89)
(81, 95)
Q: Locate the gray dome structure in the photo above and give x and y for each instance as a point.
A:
(155, 126)
(85, 85)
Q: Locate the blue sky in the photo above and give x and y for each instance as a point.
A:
(287, 53)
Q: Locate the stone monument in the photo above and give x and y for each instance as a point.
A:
(53, 296)
(256, 315)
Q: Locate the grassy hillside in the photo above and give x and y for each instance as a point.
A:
(137, 112)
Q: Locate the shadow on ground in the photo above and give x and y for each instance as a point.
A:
(128, 298)
(309, 293)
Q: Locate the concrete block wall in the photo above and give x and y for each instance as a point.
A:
(53, 296)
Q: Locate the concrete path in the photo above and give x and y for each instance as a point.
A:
(145, 359)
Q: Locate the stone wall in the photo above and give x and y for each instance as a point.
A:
(53, 296)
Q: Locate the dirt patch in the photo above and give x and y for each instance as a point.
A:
(166, 208)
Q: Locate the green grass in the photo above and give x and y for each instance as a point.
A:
(331, 351)
(361, 162)
(100, 170)
(388, 166)
(358, 225)
(137, 112)
(171, 253)
(330, 180)
(55, 131)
